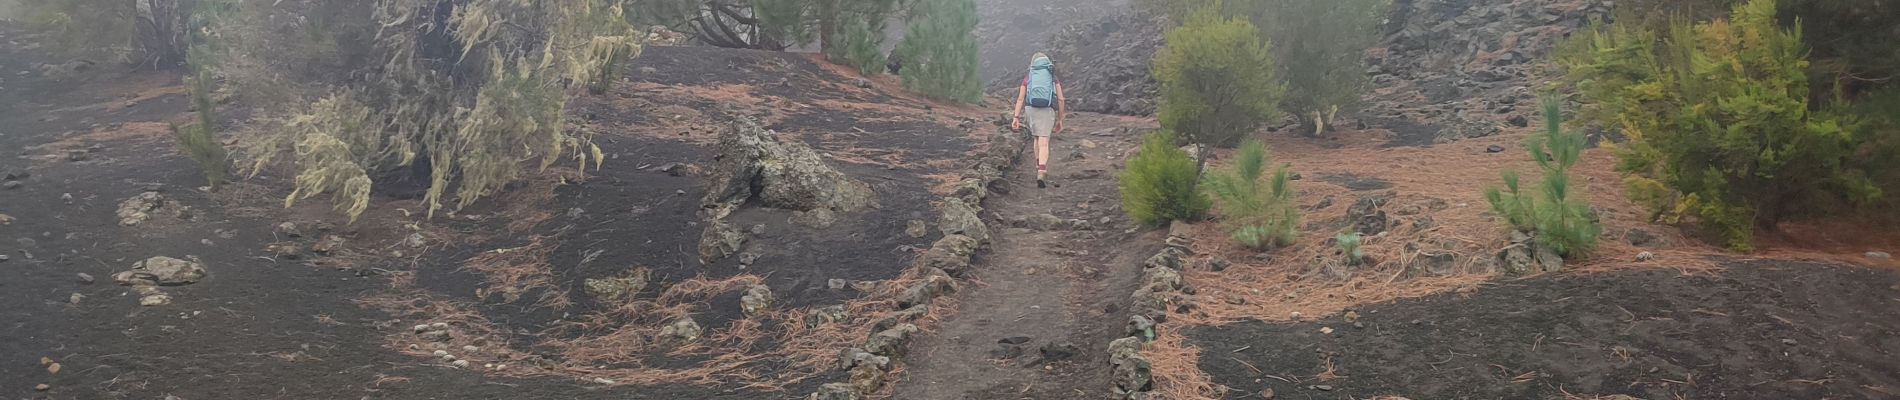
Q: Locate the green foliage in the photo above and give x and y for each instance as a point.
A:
(1721, 124)
(469, 97)
(1217, 79)
(1259, 209)
(860, 49)
(1318, 47)
(1160, 184)
(198, 141)
(86, 28)
(1349, 245)
(940, 52)
(1558, 215)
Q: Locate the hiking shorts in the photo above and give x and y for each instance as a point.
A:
(1041, 120)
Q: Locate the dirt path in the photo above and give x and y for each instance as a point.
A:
(1046, 282)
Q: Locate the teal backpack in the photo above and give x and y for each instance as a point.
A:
(1042, 83)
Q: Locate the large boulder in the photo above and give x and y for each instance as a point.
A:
(162, 270)
(1134, 374)
(1106, 62)
(755, 163)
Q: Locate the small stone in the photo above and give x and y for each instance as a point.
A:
(439, 325)
(75, 298)
(471, 349)
(836, 284)
(42, 387)
(421, 328)
(603, 381)
(290, 229)
(1519, 121)
(1296, 315)
(1325, 330)
(1877, 255)
(3, 258)
(441, 353)
(1323, 388)
(863, 83)
(11, 185)
(748, 258)
(1789, 342)
(1352, 316)
(1645, 256)
(415, 240)
(85, 278)
(1494, 149)
(917, 229)
(448, 357)
(460, 363)
(155, 300)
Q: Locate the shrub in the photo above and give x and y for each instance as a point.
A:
(1721, 125)
(148, 31)
(1349, 245)
(940, 51)
(1258, 208)
(1217, 79)
(1558, 215)
(860, 49)
(1160, 184)
(463, 100)
(1318, 47)
(198, 141)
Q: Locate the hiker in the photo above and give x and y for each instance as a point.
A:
(1040, 97)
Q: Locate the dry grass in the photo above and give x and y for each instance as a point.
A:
(513, 272)
(1177, 373)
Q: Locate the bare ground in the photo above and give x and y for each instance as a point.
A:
(1040, 285)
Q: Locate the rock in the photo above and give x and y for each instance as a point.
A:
(951, 254)
(649, 71)
(139, 208)
(836, 391)
(285, 250)
(1366, 217)
(862, 83)
(161, 270)
(1043, 222)
(866, 378)
(78, 155)
(1460, 128)
(618, 290)
(1088, 144)
(748, 258)
(1644, 238)
(1645, 257)
(718, 241)
(853, 357)
(1516, 259)
(14, 174)
(757, 299)
(917, 229)
(153, 300)
(1057, 351)
(85, 278)
(1077, 155)
(959, 217)
(754, 163)
(891, 320)
(1879, 255)
(1519, 121)
(75, 298)
(836, 284)
(930, 288)
(415, 240)
(1161, 279)
(1169, 257)
(1548, 260)
(1436, 264)
(1218, 264)
(289, 229)
(10, 185)
(827, 315)
(1009, 348)
(1141, 327)
(890, 342)
(684, 330)
(42, 387)
(1134, 374)
(329, 244)
(1120, 349)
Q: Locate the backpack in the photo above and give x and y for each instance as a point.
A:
(1042, 83)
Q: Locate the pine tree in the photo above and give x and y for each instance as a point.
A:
(1217, 79)
(940, 52)
(1557, 214)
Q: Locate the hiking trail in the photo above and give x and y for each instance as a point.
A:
(1043, 300)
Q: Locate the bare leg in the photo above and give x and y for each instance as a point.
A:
(1042, 157)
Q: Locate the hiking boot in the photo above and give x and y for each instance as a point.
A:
(1040, 184)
